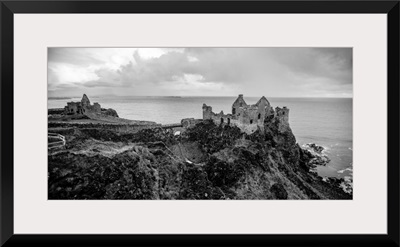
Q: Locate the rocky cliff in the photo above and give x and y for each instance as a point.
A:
(206, 161)
(109, 112)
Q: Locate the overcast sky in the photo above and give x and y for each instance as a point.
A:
(273, 72)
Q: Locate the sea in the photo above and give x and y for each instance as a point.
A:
(326, 122)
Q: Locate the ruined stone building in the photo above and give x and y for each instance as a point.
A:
(82, 106)
(248, 118)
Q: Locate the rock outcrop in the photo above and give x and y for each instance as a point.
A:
(81, 110)
(109, 112)
(206, 161)
(315, 156)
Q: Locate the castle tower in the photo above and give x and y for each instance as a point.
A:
(207, 111)
(282, 114)
(263, 102)
(239, 102)
(265, 107)
(85, 101)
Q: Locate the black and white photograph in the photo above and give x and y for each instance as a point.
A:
(200, 123)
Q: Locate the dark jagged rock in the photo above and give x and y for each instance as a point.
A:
(278, 191)
(315, 148)
(315, 155)
(109, 112)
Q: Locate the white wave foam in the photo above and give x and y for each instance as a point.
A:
(347, 185)
(347, 169)
(307, 146)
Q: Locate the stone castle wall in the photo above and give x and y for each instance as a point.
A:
(93, 108)
(190, 122)
(82, 107)
(282, 114)
(248, 118)
(247, 121)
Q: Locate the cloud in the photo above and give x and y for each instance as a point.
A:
(72, 56)
(269, 71)
(333, 63)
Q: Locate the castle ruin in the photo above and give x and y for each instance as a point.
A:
(248, 118)
(81, 107)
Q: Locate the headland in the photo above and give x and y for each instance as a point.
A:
(250, 153)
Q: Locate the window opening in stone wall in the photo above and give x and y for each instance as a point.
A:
(222, 120)
(251, 121)
(259, 115)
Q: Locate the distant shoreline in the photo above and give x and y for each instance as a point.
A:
(59, 98)
(233, 96)
(73, 97)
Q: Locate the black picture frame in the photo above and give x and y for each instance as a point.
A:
(9, 8)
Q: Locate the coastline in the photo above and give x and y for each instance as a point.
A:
(270, 168)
